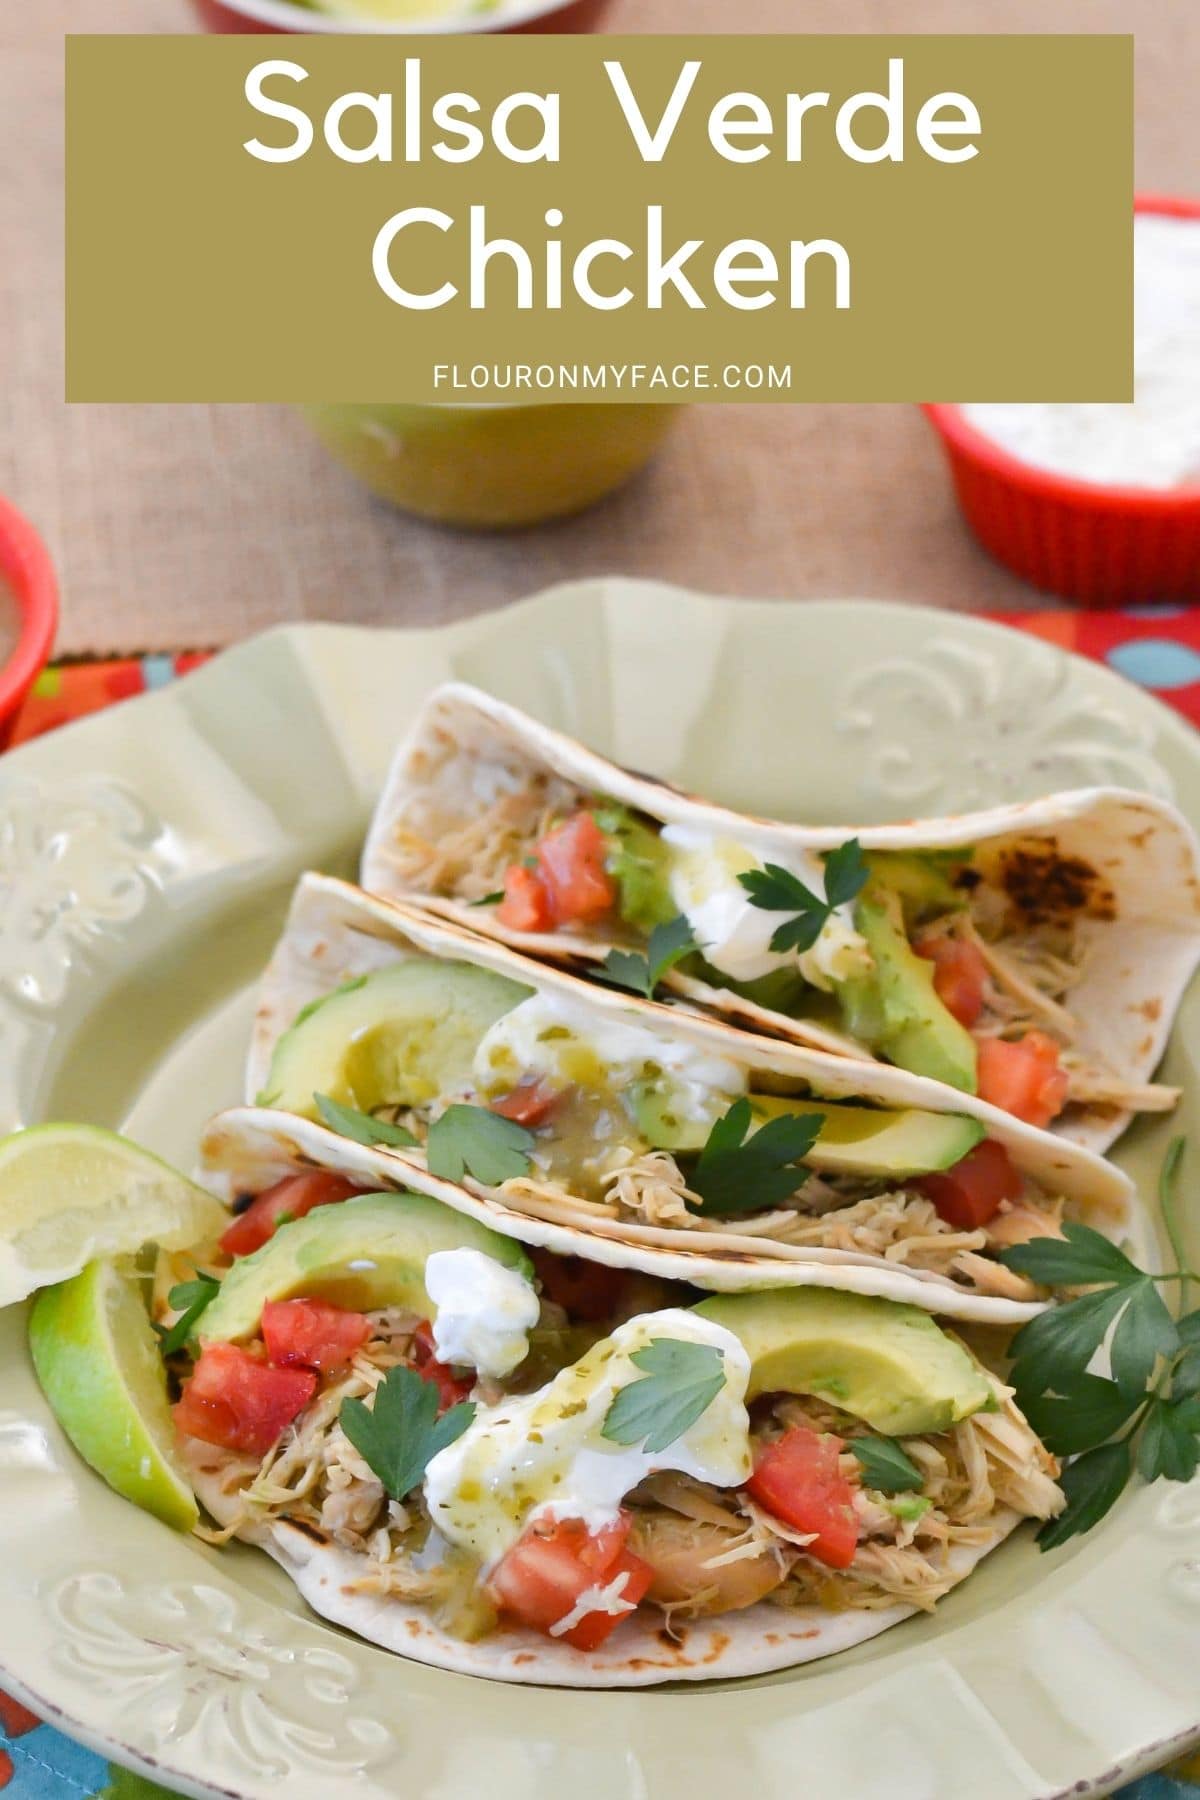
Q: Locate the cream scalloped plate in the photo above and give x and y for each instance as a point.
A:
(145, 858)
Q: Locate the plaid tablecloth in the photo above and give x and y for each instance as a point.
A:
(1156, 646)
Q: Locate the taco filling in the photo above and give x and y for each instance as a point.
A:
(955, 964)
(553, 1446)
(600, 1116)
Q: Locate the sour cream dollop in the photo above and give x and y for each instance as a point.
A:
(484, 1311)
(734, 934)
(543, 1455)
(1154, 442)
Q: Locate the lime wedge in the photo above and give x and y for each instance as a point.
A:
(69, 1193)
(97, 1359)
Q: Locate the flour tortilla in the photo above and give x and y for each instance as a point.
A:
(336, 933)
(639, 1654)
(465, 745)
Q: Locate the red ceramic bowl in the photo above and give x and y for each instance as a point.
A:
(1102, 546)
(25, 568)
(281, 15)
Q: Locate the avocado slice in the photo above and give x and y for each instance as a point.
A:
(890, 1365)
(363, 1253)
(639, 863)
(922, 881)
(854, 1140)
(401, 1036)
(904, 1019)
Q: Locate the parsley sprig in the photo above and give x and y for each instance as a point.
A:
(736, 1174)
(470, 1140)
(1145, 1412)
(778, 890)
(399, 1436)
(360, 1127)
(668, 944)
(885, 1466)
(681, 1381)
(189, 1299)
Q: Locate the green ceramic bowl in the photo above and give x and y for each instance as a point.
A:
(492, 467)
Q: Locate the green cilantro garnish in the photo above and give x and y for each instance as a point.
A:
(885, 1467)
(470, 1140)
(1146, 1411)
(668, 945)
(739, 1175)
(777, 890)
(360, 1127)
(188, 1299)
(401, 1434)
(682, 1379)
(306, 1012)
(492, 899)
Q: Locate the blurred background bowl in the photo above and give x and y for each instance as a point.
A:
(29, 591)
(493, 467)
(283, 15)
(1096, 544)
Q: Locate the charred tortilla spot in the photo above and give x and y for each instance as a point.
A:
(1150, 1010)
(1043, 884)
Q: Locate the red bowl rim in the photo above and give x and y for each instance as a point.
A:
(285, 16)
(949, 421)
(25, 560)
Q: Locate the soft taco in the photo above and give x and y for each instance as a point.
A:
(504, 1461)
(651, 1126)
(1034, 954)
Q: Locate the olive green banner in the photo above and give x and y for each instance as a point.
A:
(716, 218)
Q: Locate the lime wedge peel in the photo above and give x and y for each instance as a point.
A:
(72, 1193)
(97, 1359)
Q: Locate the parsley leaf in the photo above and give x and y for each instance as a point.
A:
(1093, 1484)
(1083, 1411)
(189, 1299)
(1085, 1257)
(682, 1380)
(1062, 1341)
(401, 1434)
(885, 1466)
(740, 1175)
(1169, 1445)
(1145, 1331)
(669, 944)
(1185, 1382)
(470, 1140)
(775, 889)
(492, 899)
(360, 1127)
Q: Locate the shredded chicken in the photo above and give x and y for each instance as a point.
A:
(653, 1189)
(468, 859)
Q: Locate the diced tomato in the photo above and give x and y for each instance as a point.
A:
(311, 1334)
(530, 1103)
(451, 1387)
(971, 1193)
(1023, 1076)
(959, 974)
(526, 903)
(797, 1478)
(585, 1290)
(290, 1198)
(544, 1576)
(235, 1400)
(571, 862)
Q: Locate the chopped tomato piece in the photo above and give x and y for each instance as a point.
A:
(558, 1566)
(311, 1334)
(798, 1479)
(585, 1290)
(971, 1193)
(235, 1400)
(1023, 1076)
(526, 904)
(959, 974)
(571, 862)
(290, 1198)
(451, 1387)
(530, 1103)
